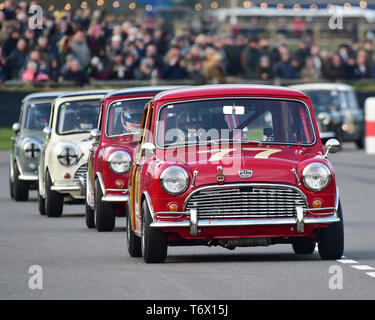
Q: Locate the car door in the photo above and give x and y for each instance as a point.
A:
(94, 149)
(137, 170)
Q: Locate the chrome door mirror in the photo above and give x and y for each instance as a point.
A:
(95, 134)
(148, 149)
(16, 127)
(333, 146)
(47, 131)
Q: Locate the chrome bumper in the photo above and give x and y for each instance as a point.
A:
(299, 221)
(243, 222)
(66, 188)
(115, 198)
(28, 177)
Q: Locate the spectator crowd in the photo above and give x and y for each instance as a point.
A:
(81, 45)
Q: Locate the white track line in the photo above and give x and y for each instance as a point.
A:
(363, 267)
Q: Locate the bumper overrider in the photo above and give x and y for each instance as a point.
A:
(320, 216)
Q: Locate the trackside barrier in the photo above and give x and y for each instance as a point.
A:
(370, 125)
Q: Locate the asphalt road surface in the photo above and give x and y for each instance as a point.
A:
(78, 263)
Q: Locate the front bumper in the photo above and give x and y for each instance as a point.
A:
(194, 223)
(115, 198)
(31, 177)
(72, 187)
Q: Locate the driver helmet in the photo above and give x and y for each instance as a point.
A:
(41, 117)
(131, 119)
(87, 118)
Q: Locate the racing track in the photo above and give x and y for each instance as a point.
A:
(82, 264)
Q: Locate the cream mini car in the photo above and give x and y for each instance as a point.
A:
(63, 159)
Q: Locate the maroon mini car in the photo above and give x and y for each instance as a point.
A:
(111, 155)
(234, 166)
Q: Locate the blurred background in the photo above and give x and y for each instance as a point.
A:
(122, 43)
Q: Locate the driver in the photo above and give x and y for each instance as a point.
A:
(87, 118)
(41, 117)
(131, 120)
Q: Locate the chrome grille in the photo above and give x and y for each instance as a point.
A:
(81, 172)
(247, 201)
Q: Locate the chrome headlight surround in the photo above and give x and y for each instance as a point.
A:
(316, 176)
(68, 155)
(174, 180)
(120, 162)
(32, 148)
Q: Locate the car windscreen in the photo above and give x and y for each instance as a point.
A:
(241, 120)
(124, 117)
(323, 100)
(77, 116)
(37, 116)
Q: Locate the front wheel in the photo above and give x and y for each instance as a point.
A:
(42, 205)
(331, 239)
(104, 212)
(154, 242)
(90, 216)
(134, 242)
(54, 200)
(20, 188)
(304, 247)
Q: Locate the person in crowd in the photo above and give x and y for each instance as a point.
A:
(251, 58)
(79, 44)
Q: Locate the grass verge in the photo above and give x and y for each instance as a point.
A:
(5, 138)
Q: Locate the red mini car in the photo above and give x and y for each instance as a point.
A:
(111, 154)
(234, 166)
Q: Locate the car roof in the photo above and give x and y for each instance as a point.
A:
(85, 93)
(212, 91)
(44, 95)
(322, 86)
(139, 90)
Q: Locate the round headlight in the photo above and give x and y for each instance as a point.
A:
(316, 176)
(119, 162)
(68, 155)
(174, 180)
(32, 149)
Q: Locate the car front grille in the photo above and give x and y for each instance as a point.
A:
(258, 201)
(81, 172)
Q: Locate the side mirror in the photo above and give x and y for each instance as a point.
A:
(95, 134)
(16, 127)
(333, 146)
(47, 131)
(148, 150)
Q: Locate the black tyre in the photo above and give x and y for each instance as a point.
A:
(105, 218)
(54, 201)
(90, 216)
(154, 242)
(360, 143)
(41, 204)
(11, 184)
(304, 247)
(20, 188)
(134, 242)
(331, 240)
